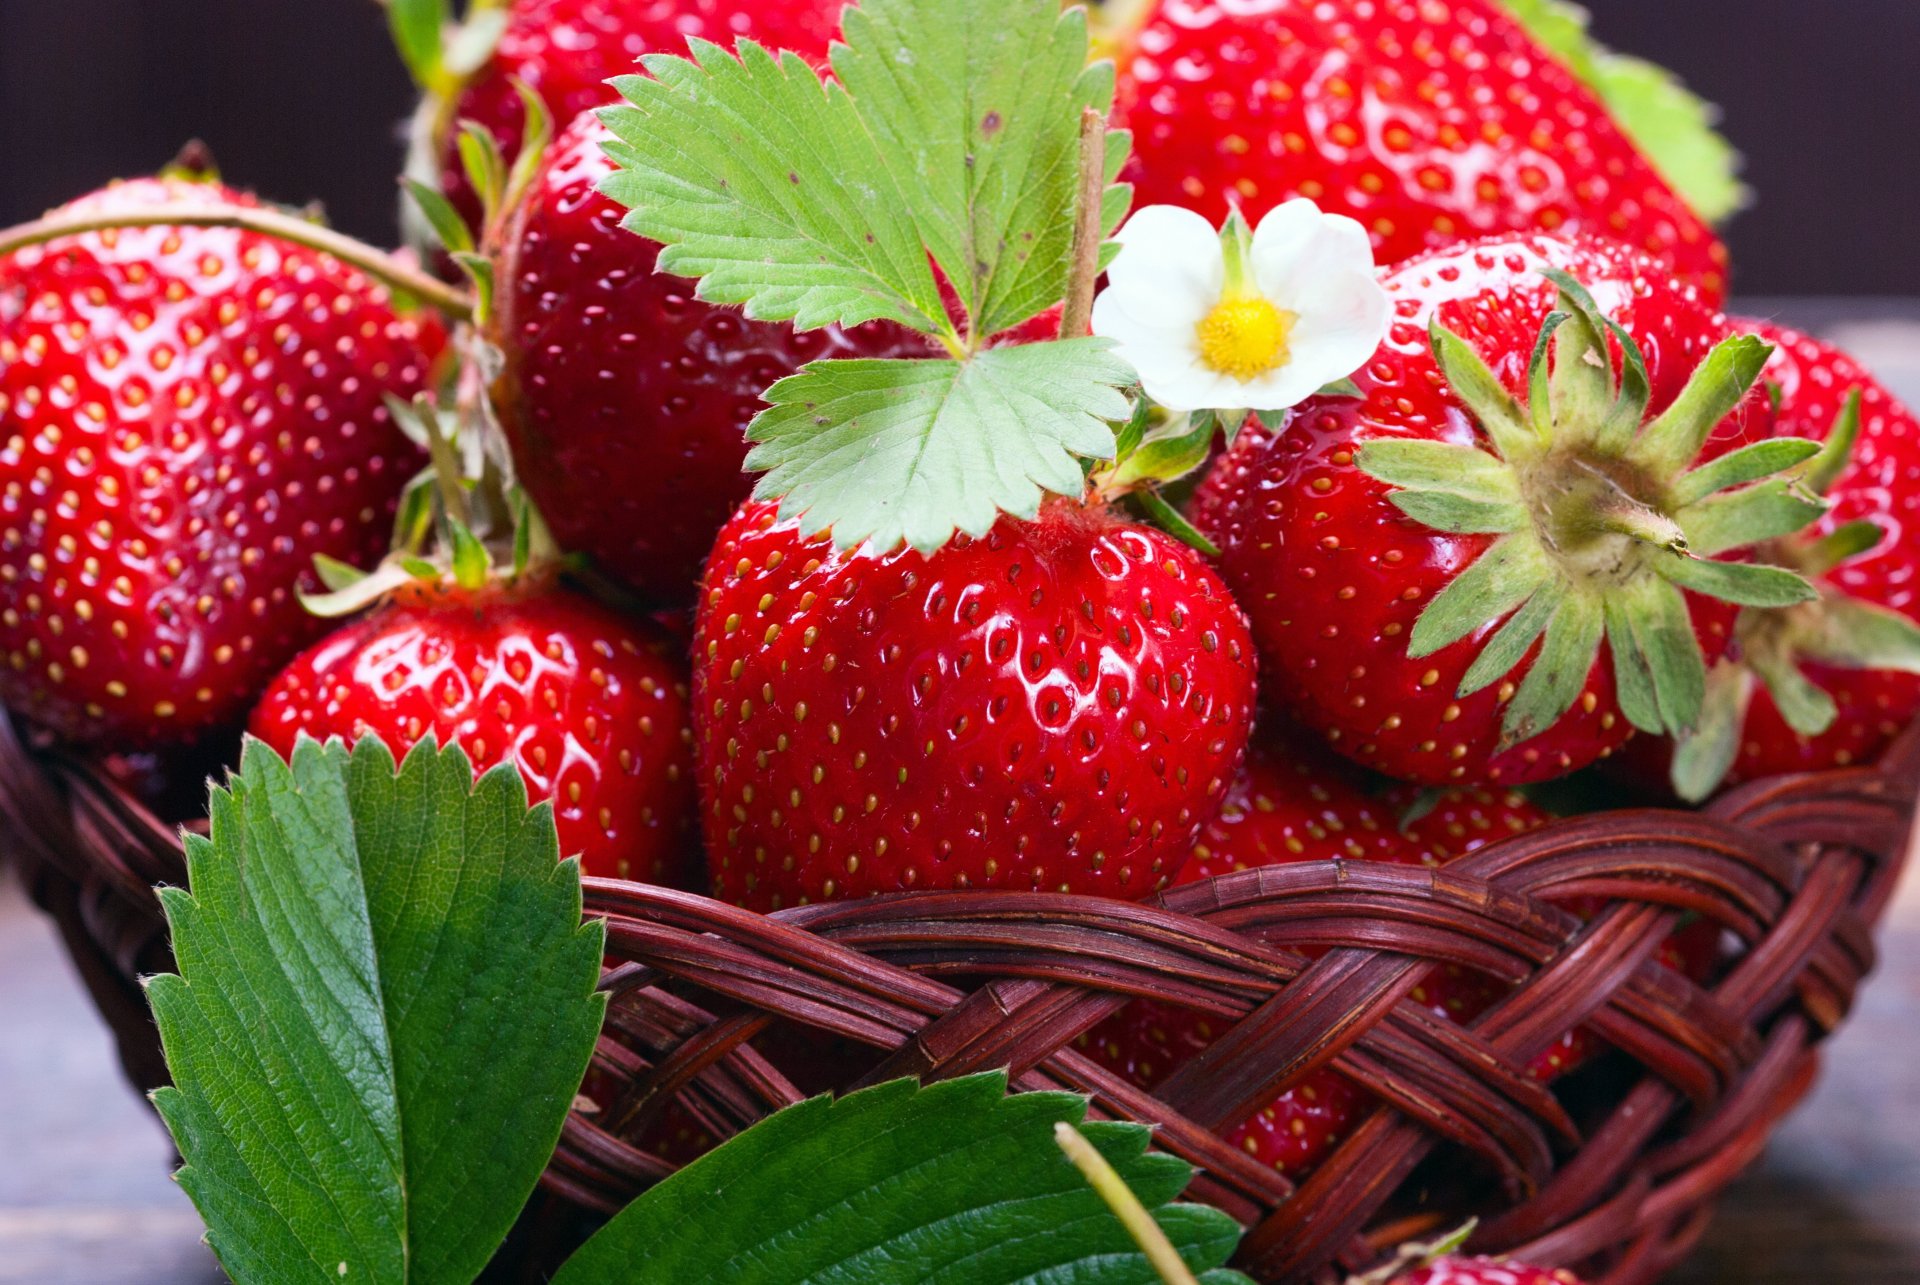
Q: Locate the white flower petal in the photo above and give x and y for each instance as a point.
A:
(1194, 387)
(1297, 249)
(1282, 389)
(1335, 341)
(1319, 267)
(1170, 265)
(1155, 350)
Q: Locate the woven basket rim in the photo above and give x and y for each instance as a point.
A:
(1305, 966)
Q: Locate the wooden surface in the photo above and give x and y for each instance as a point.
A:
(85, 1197)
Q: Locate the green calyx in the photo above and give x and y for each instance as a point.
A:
(1155, 452)
(1604, 519)
(461, 521)
(441, 51)
(501, 188)
(1417, 1254)
(1773, 645)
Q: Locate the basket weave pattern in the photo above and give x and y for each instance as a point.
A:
(941, 984)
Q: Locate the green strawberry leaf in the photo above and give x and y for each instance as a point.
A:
(954, 1184)
(384, 1008)
(892, 451)
(1672, 125)
(764, 183)
(950, 135)
(1166, 453)
(990, 145)
(946, 148)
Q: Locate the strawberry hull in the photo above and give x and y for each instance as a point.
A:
(1879, 486)
(1335, 577)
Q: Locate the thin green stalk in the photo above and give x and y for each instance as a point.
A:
(1112, 1188)
(376, 263)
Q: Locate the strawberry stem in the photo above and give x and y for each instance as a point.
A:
(1418, 1254)
(1112, 1188)
(1076, 318)
(376, 263)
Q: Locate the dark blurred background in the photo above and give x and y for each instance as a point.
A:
(302, 99)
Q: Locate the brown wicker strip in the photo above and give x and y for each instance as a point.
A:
(723, 1015)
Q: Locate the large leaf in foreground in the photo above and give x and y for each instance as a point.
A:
(893, 451)
(385, 1005)
(956, 1184)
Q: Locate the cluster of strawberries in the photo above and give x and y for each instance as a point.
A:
(189, 415)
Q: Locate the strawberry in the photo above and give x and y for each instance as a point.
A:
(1828, 683)
(1518, 461)
(565, 51)
(590, 706)
(1291, 803)
(1428, 123)
(1445, 824)
(1459, 1270)
(1059, 704)
(615, 371)
(187, 416)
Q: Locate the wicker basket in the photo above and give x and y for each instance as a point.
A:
(1617, 1185)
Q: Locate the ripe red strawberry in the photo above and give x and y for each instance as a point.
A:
(614, 371)
(1382, 543)
(1429, 123)
(1289, 804)
(187, 416)
(1829, 683)
(1484, 1271)
(1060, 704)
(590, 706)
(565, 51)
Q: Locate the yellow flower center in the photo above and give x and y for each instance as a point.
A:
(1245, 337)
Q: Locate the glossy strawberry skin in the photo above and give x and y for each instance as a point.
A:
(626, 399)
(1882, 485)
(1484, 1271)
(565, 51)
(590, 707)
(1428, 123)
(1333, 576)
(1060, 704)
(1291, 803)
(187, 416)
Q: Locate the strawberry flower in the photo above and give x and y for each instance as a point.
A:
(1259, 319)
